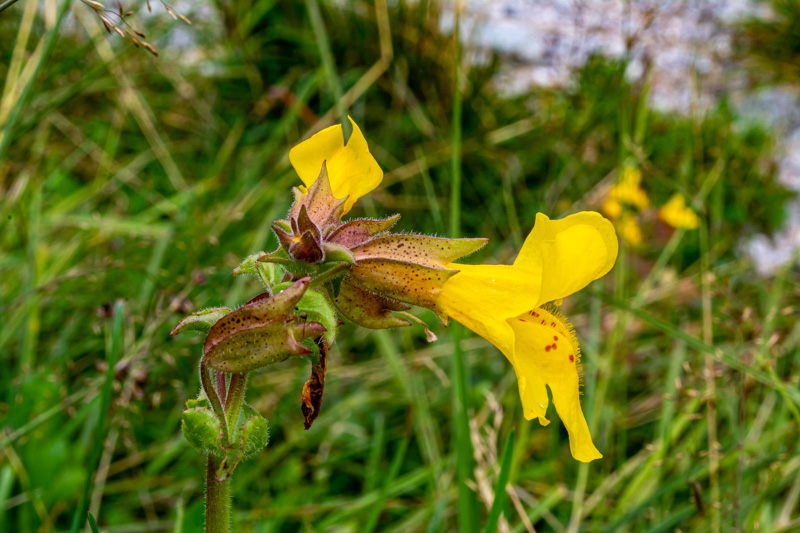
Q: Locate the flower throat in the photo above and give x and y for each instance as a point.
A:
(563, 331)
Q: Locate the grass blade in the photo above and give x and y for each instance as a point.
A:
(466, 498)
(789, 393)
(105, 400)
(500, 489)
(92, 523)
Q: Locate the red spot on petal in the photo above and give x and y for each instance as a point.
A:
(552, 324)
(555, 338)
(571, 358)
(547, 348)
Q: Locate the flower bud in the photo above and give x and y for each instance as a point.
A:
(262, 332)
(201, 427)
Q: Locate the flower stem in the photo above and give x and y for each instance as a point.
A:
(213, 398)
(234, 399)
(218, 499)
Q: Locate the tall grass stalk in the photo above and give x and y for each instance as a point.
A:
(467, 505)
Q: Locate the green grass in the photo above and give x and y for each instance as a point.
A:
(146, 180)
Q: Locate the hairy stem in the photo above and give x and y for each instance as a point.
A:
(218, 499)
(235, 398)
(213, 398)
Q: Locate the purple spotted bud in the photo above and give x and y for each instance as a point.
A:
(262, 332)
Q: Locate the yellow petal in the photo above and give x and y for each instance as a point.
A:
(573, 252)
(628, 191)
(482, 297)
(307, 157)
(630, 230)
(547, 352)
(352, 170)
(612, 208)
(677, 214)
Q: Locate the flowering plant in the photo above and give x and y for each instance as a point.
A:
(326, 270)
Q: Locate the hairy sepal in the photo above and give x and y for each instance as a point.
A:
(202, 428)
(407, 282)
(357, 232)
(366, 308)
(322, 207)
(432, 252)
(201, 321)
(267, 273)
(262, 332)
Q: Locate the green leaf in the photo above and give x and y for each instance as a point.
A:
(200, 321)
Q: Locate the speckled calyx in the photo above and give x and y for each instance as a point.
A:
(262, 332)
(366, 308)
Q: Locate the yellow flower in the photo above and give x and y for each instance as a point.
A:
(505, 305)
(677, 214)
(627, 191)
(630, 230)
(612, 208)
(352, 170)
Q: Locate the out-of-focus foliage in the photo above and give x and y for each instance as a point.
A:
(149, 179)
(772, 45)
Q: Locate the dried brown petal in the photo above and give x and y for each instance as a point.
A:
(311, 399)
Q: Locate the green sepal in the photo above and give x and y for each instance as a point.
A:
(284, 225)
(254, 431)
(200, 320)
(198, 402)
(267, 273)
(249, 437)
(336, 253)
(202, 428)
(280, 257)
